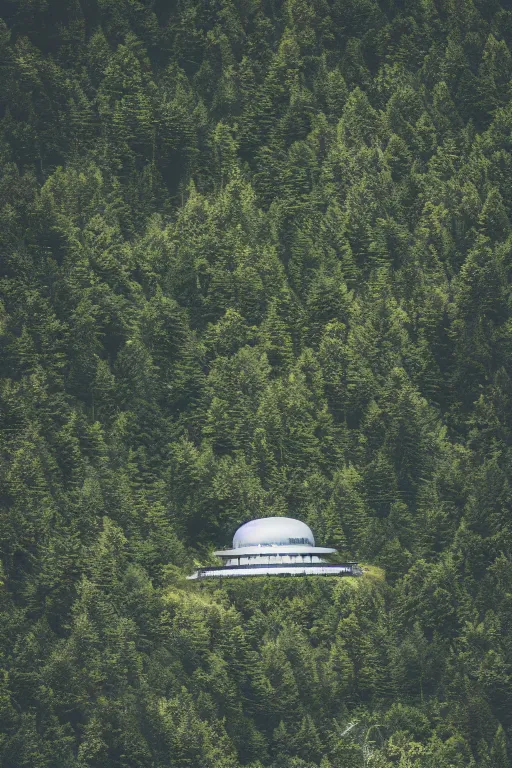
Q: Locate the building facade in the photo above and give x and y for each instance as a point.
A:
(276, 546)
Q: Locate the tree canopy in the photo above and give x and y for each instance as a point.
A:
(255, 259)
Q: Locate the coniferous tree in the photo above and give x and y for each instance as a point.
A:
(255, 261)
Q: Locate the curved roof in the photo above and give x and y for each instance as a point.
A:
(271, 531)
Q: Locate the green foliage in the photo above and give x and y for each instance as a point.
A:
(255, 261)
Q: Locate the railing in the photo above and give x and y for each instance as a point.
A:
(280, 569)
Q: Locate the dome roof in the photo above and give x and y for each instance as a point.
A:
(273, 531)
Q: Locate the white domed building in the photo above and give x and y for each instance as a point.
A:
(276, 546)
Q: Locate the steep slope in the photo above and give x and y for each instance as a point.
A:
(255, 260)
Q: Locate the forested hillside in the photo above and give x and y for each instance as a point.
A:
(255, 260)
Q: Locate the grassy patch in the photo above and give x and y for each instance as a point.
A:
(373, 572)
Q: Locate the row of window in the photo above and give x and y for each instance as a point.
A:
(270, 559)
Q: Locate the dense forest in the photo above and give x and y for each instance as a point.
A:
(255, 260)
